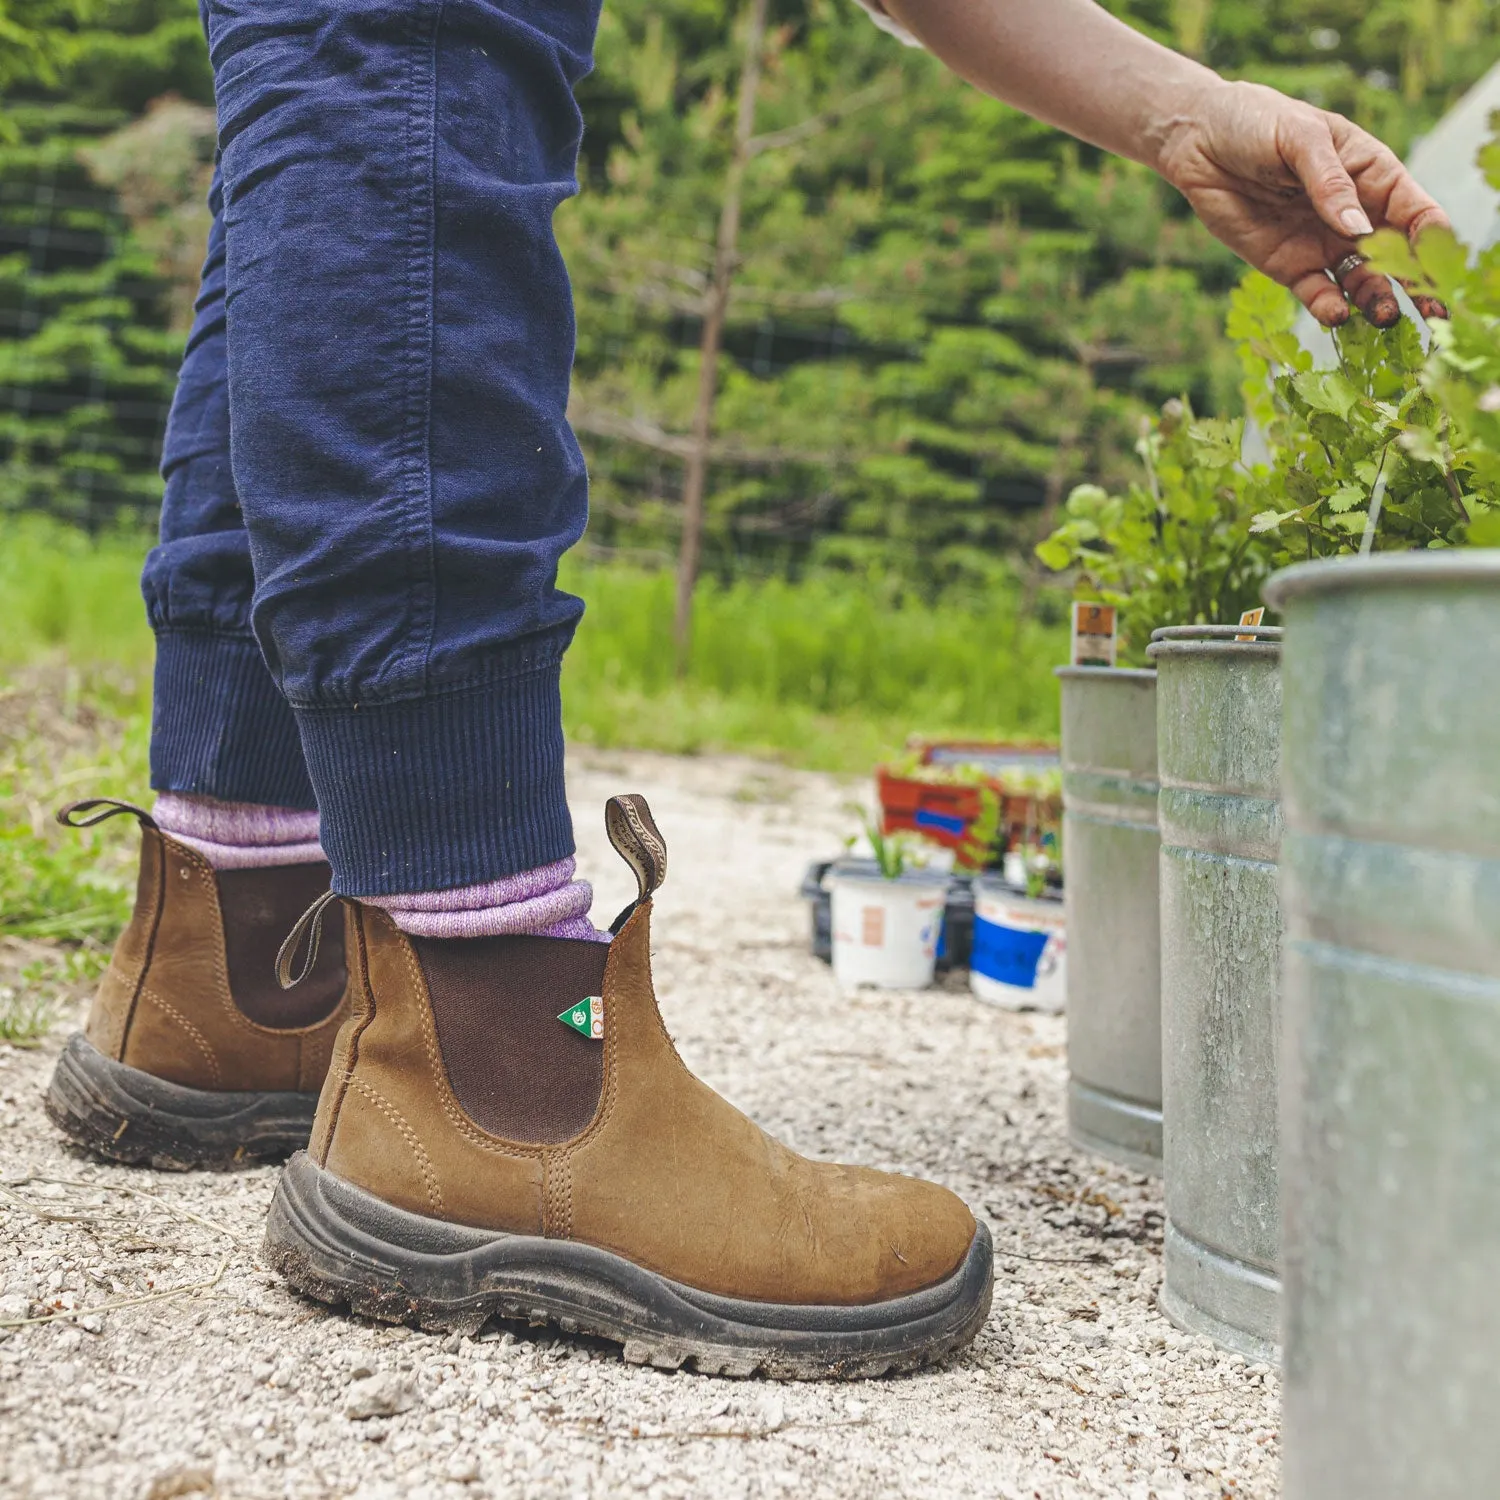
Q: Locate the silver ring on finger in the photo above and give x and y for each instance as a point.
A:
(1351, 262)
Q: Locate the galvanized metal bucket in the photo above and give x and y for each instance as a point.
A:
(1218, 725)
(1391, 1098)
(1110, 855)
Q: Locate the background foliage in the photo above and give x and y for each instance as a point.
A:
(1386, 448)
(945, 316)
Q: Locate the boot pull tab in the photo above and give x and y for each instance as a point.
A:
(310, 925)
(112, 809)
(637, 841)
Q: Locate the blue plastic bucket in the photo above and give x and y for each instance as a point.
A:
(1019, 956)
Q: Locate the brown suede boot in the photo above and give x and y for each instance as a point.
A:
(193, 1055)
(507, 1129)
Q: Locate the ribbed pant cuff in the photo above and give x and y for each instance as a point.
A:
(453, 789)
(219, 725)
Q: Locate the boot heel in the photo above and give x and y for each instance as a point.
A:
(124, 1115)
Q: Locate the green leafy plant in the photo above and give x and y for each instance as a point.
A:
(1389, 447)
(982, 836)
(1365, 455)
(1457, 426)
(25, 1017)
(1037, 865)
(894, 853)
(1176, 546)
(33, 998)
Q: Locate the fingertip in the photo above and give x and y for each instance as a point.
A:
(1430, 217)
(1382, 311)
(1430, 307)
(1330, 309)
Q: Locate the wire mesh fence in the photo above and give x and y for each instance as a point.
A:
(823, 445)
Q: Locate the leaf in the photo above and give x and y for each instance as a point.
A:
(1286, 350)
(1388, 251)
(1259, 308)
(1301, 487)
(1054, 554)
(1270, 520)
(1346, 497)
(1443, 258)
(1484, 531)
(1327, 390)
(1218, 442)
(1083, 499)
(1422, 443)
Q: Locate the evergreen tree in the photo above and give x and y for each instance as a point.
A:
(91, 311)
(941, 314)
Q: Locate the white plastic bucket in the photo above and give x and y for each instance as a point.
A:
(885, 932)
(1020, 950)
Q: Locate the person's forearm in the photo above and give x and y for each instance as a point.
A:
(1067, 62)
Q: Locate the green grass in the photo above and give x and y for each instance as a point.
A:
(67, 733)
(32, 997)
(825, 673)
(75, 662)
(63, 592)
(26, 1016)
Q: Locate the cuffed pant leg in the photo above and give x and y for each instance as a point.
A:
(220, 726)
(400, 343)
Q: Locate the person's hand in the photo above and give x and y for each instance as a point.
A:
(1291, 189)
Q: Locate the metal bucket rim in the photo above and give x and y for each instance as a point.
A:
(1245, 634)
(993, 884)
(917, 876)
(1467, 565)
(1229, 650)
(1117, 674)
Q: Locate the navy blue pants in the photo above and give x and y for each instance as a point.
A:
(369, 472)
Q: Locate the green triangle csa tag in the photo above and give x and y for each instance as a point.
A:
(586, 1018)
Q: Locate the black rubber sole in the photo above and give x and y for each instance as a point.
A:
(341, 1245)
(125, 1115)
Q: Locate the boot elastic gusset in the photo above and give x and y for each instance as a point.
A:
(192, 1056)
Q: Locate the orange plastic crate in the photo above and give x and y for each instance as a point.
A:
(943, 812)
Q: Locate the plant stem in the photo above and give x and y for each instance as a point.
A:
(1451, 480)
(1377, 496)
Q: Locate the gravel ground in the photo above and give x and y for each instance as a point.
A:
(226, 1384)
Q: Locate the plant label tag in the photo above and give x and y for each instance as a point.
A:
(1093, 635)
(1251, 617)
(586, 1018)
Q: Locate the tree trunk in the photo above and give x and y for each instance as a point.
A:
(716, 306)
(1190, 19)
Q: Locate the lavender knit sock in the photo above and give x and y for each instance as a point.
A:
(545, 902)
(240, 835)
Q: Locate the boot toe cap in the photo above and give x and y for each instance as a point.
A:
(920, 1233)
(878, 1235)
